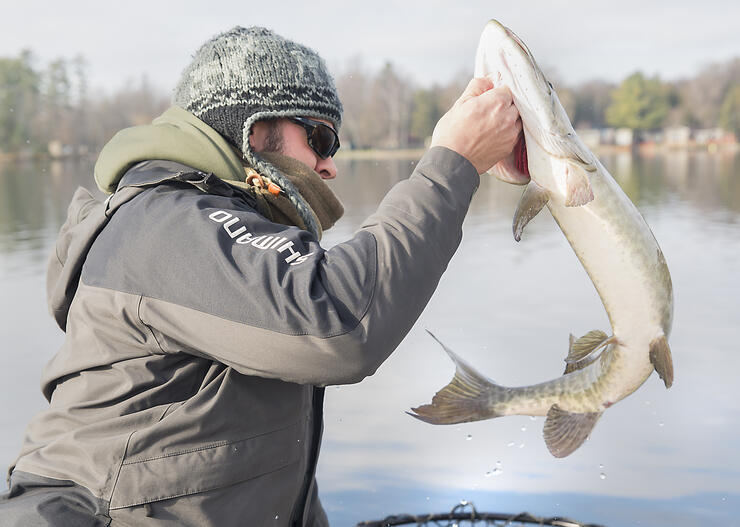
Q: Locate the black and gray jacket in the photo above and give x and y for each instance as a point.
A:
(198, 337)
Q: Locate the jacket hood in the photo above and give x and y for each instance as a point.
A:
(177, 135)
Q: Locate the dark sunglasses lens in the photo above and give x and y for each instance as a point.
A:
(323, 140)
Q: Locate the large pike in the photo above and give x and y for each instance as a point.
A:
(612, 242)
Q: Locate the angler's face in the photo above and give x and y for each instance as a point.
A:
(295, 145)
(293, 142)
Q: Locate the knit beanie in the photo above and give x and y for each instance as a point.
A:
(250, 74)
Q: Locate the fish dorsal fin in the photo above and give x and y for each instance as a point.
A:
(533, 199)
(581, 350)
(565, 431)
(578, 189)
(584, 345)
(463, 399)
(660, 357)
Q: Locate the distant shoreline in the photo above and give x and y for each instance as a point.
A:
(641, 148)
(417, 153)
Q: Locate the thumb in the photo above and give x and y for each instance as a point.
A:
(476, 86)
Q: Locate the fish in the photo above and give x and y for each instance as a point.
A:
(613, 244)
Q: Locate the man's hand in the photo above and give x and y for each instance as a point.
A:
(483, 125)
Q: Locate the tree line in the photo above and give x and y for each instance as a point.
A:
(54, 105)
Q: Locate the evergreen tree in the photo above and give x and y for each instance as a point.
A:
(729, 115)
(639, 103)
(19, 90)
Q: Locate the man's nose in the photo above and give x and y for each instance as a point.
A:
(326, 168)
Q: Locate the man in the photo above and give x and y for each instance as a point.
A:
(203, 318)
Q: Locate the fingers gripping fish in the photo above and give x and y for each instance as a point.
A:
(612, 242)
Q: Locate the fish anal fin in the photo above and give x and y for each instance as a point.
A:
(531, 203)
(578, 189)
(565, 431)
(660, 357)
(466, 397)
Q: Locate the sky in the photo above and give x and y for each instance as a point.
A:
(430, 41)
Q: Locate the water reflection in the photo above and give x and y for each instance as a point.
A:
(33, 202)
(669, 456)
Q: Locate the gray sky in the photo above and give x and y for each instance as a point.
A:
(427, 39)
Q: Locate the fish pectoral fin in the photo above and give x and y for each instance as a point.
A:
(578, 189)
(565, 431)
(660, 357)
(507, 171)
(464, 399)
(533, 199)
(568, 146)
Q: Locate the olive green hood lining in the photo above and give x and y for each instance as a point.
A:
(177, 135)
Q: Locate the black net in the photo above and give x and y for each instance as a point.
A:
(465, 515)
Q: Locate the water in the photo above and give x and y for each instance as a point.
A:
(669, 457)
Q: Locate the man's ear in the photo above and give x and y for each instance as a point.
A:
(258, 135)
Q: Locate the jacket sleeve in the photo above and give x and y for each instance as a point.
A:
(269, 301)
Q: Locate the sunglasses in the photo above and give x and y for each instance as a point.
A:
(321, 138)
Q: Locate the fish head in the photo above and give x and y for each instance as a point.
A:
(505, 59)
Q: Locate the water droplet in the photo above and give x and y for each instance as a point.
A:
(724, 499)
(28, 141)
(299, 440)
(511, 443)
(427, 498)
(602, 476)
(12, 110)
(464, 502)
(661, 423)
(497, 470)
(521, 445)
(601, 467)
(524, 429)
(468, 437)
(276, 516)
(532, 417)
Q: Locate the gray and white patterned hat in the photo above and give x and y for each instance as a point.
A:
(249, 74)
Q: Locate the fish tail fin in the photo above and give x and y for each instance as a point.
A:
(469, 396)
(565, 431)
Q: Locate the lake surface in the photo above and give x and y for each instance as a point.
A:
(658, 458)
